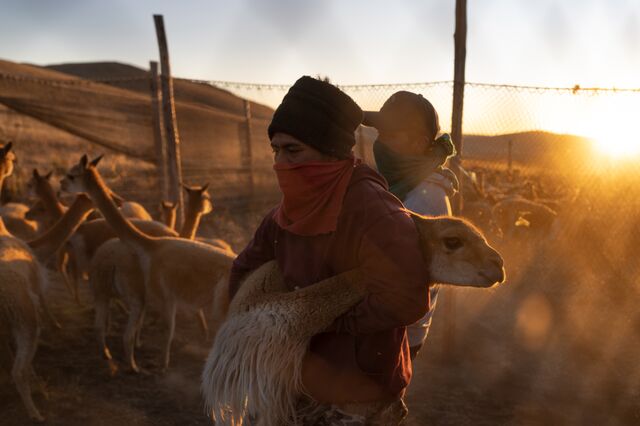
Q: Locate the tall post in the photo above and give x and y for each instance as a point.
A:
(460, 41)
(510, 157)
(174, 164)
(159, 141)
(246, 156)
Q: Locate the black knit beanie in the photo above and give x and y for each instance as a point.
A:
(320, 115)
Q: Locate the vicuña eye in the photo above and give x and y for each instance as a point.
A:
(453, 243)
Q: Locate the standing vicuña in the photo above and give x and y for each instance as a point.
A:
(116, 271)
(175, 269)
(21, 291)
(254, 367)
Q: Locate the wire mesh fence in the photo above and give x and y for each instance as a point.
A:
(552, 131)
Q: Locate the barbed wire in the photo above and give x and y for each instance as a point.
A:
(278, 87)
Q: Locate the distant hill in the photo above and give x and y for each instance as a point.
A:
(530, 149)
(58, 107)
(533, 149)
(118, 115)
(185, 91)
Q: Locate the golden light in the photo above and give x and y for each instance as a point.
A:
(613, 127)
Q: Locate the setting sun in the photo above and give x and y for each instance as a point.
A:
(618, 146)
(612, 126)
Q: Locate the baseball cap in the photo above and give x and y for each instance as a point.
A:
(405, 111)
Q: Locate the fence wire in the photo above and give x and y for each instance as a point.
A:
(573, 130)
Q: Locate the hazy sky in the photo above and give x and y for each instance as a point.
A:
(542, 42)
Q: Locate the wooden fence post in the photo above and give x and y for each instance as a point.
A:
(174, 165)
(246, 145)
(460, 40)
(510, 157)
(159, 141)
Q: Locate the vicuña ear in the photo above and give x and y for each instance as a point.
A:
(7, 147)
(83, 161)
(186, 187)
(48, 175)
(96, 160)
(35, 173)
(204, 187)
(423, 224)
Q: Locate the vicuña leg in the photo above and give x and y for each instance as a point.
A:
(170, 319)
(136, 312)
(26, 338)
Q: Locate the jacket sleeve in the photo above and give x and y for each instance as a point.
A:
(396, 278)
(259, 251)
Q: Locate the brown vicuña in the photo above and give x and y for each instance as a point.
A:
(509, 211)
(255, 365)
(169, 213)
(175, 269)
(134, 210)
(94, 233)
(116, 271)
(47, 211)
(13, 216)
(198, 205)
(22, 282)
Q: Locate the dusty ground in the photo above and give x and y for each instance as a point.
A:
(556, 345)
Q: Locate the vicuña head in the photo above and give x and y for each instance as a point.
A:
(7, 158)
(76, 180)
(457, 253)
(199, 198)
(37, 181)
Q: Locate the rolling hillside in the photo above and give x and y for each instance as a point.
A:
(57, 108)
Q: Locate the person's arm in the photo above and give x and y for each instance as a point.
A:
(259, 251)
(396, 278)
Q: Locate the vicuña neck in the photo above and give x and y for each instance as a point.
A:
(2, 183)
(52, 240)
(170, 219)
(3, 229)
(49, 200)
(191, 223)
(100, 194)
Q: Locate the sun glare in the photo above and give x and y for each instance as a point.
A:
(618, 146)
(614, 128)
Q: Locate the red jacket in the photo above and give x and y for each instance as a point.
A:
(373, 233)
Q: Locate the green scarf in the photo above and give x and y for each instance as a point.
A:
(405, 172)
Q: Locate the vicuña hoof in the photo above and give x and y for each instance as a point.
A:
(36, 417)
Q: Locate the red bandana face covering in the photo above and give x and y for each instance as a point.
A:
(312, 195)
